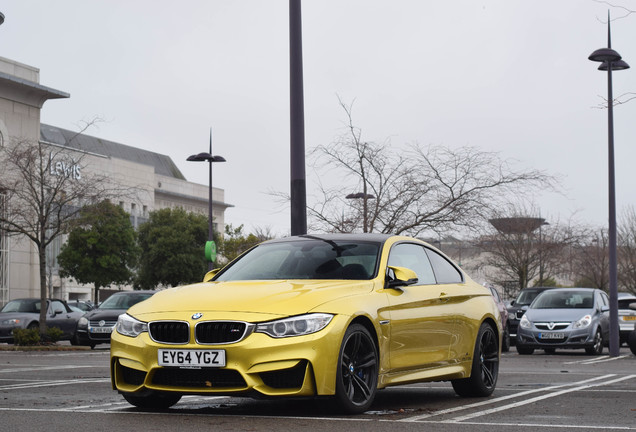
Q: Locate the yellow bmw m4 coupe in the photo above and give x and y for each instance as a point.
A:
(339, 316)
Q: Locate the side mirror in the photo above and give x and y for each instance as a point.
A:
(210, 275)
(512, 303)
(605, 309)
(402, 276)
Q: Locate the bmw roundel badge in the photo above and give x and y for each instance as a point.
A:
(197, 315)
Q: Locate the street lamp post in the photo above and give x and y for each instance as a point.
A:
(210, 246)
(365, 198)
(611, 60)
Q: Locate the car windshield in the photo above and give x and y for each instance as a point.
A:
(29, 305)
(123, 301)
(526, 297)
(564, 300)
(312, 258)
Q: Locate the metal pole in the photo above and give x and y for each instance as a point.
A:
(298, 193)
(614, 346)
(210, 206)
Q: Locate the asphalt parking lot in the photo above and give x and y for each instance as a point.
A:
(57, 390)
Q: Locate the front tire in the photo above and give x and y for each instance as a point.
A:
(597, 346)
(152, 400)
(524, 350)
(485, 367)
(357, 375)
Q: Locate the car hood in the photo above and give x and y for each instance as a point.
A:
(566, 315)
(104, 314)
(255, 299)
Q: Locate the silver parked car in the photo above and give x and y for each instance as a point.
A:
(25, 314)
(626, 315)
(568, 318)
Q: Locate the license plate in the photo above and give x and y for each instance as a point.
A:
(192, 358)
(101, 329)
(629, 318)
(551, 335)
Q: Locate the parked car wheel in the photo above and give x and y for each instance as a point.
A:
(357, 376)
(485, 368)
(505, 340)
(524, 350)
(153, 400)
(597, 347)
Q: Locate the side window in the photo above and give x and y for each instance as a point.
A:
(57, 307)
(413, 257)
(604, 300)
(445, 272)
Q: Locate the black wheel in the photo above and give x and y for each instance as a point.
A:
(631, 341)
(505, 340)
(75, 340)
(485, 367)
(152, 400)
(357, 375)
(597, 346)
(33, 325)
(524, 350)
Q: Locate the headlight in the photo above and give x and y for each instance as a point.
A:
(82, 322)
(525, 323)
(295, 326)
(12, 322)
(129, 326)
(583, 322)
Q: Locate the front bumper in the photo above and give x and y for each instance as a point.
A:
(574, 339)
(294, 366)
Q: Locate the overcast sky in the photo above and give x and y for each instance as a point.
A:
(508, 76)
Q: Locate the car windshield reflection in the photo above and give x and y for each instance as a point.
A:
(307, 259)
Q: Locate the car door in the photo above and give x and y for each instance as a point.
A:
(58, 316)
(421, 320)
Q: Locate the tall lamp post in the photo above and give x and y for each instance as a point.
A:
(210, 246)
(611, 60)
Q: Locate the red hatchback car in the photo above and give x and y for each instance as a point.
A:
(503, 310)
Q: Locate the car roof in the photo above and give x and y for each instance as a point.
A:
(373, 237)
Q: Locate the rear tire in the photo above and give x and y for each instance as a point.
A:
(505, 340)
(485, 367)
(631, 341)
(152, 400)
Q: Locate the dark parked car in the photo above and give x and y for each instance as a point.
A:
(96, 325)
(81, 304)
(505, 337)
(25, 314)
(570, 318)
(626, 316)
(518, 307)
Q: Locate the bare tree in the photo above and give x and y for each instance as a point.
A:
(627, 250)
(44, 187)
(413, 191)
(591, 259)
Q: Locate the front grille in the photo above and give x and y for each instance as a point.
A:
(199, 378)
(286, 378)
(557, 326)
(96, 323)
(170, 332)
(220, 332)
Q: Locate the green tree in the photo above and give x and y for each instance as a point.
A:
(235, 242)
(172, 248)
(101, 249)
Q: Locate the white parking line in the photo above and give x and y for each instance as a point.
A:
(535, 399)
(502, 398)
(43, 368)
(597, 360)
(54, 383)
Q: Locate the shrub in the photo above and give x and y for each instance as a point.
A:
(53, 334)
(26, 337)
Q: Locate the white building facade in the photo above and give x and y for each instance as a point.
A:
(156, 180)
